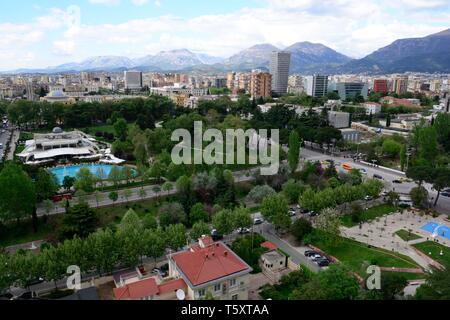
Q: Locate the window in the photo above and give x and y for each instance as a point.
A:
(201, 293)
(232, 282)
(217, 287)
(235, 297)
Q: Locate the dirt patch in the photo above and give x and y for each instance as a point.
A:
(257, 281)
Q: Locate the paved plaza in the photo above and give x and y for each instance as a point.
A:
(381, 233)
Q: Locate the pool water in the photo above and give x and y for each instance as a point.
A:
(435, 228)
(71, 171)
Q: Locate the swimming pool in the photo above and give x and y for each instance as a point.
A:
(71, 171)
(437, 229)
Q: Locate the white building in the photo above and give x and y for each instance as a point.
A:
(372, 107)
(59, 145)
(339, 120)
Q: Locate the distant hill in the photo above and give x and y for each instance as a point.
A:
(428, 54)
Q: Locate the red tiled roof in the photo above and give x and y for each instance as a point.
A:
(269, 245)
(172, 286)
(137, 290)
(208, 264)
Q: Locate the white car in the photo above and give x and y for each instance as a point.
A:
(257, 221)
(244, 231)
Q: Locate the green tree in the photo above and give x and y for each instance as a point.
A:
(275, 210)
(85, 180)
(68, 182)
(172, 213)
(403, 158)
(294, 150)
(419, 197)
(103, 253)
(441, 180)
(329, 223)
(198, 214)
(17, 194)
(301, 228)
(437, 285)
(292, 190)
(115, 175)
(223, 221)
(79, 220)
(336, 283)
(113, 196)
(121, 129)
(175, 236)
(199, 229)
(168, 187)
(242, 218)
(258, 193)
(45, 185)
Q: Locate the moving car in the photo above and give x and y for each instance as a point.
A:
(397, 181)
(377, 176)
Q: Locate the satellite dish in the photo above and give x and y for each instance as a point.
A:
(181, 295)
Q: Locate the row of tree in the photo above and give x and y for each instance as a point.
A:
(101, 252)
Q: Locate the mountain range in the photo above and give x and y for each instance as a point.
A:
(428, 54)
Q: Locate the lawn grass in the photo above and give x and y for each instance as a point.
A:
(407, 236)
(435, 249)
(368, 215)
(358, 256)
(19, 233)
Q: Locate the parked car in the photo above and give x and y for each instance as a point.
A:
(216, 236)
(312, 214)
(315, 257)
(363, 171)
(397, 182)
(244, 231)
(377, 176)
(445, 194)
(368, 198)
(257, 221)
(292, 212)
(309, 253)
(323, 263)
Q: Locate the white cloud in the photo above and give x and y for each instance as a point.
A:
(353, 27)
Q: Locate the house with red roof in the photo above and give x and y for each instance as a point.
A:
(149, 289)
(211, 267)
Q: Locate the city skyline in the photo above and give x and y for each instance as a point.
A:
(52, 33)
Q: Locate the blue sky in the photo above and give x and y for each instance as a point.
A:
(49, 32)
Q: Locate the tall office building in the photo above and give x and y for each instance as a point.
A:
(380, 86)
(29, 90)
(400, 85)
(261, 85)
(316, 86)
(280, 63)
(133, 80)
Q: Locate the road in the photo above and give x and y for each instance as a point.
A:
(443, 205)
(104, 200)
(4, 138)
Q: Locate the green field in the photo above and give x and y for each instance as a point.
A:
(359, 256)
(407, 236)
(368, 215)
(435, 250)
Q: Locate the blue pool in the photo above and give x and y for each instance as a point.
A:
(71, 171)
(437, 229)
